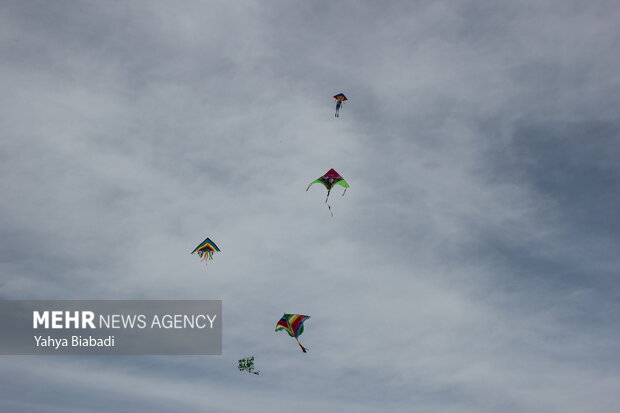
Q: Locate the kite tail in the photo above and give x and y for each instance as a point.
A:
(345, 191)
(205, 257)
(329, 206)
(305, 350)
(308, 187)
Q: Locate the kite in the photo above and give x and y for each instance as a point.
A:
(247, 364)
(206, 249)
(294, 326)
(330, 179)
(340, 98)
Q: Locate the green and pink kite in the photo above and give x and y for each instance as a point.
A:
(328, 180)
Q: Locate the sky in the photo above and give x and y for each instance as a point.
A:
(472, 266)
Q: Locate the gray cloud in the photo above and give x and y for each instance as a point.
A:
(471, 267)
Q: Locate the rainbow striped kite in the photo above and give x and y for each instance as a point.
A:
(206, 249)
(294, 326)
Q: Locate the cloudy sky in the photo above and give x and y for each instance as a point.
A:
(471, 267)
